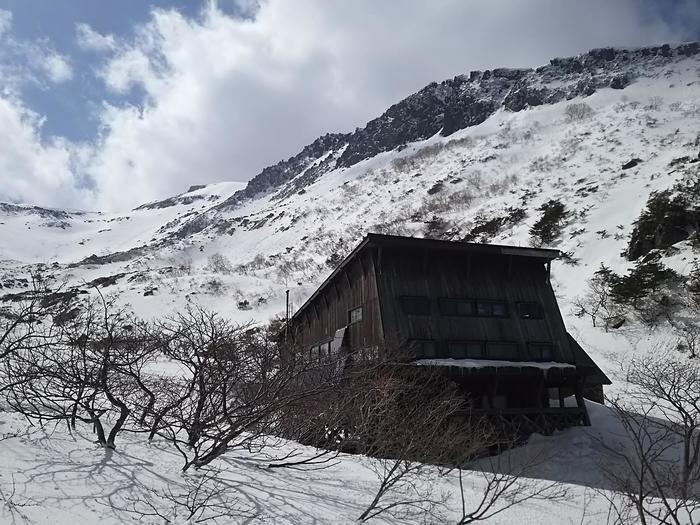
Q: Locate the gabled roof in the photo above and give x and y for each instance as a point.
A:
(397, 241)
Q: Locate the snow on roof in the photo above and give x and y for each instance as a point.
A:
(493, 363)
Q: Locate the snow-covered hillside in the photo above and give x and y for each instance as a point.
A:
(598, 133)
(292, 235)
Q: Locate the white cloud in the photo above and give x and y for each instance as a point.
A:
(5, 21)
(56, 66)
(91, 40)
(32, 171)
(224, 96)
(24, 61)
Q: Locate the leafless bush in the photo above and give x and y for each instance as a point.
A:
(201, 498)
(505, 485)
(655, 103)
(656, 474)
(218, 263)
(259, 262)
(578, 111)
(213, 286)
(597, 303)
(232, 394)
(89, 371)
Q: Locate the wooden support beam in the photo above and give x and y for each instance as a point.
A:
(581, 403)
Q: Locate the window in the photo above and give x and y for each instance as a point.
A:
(355, 315)
(541, 351)
(500, 350)
(491, 309)
(530, 310)
(465, 349)
(415, 305)
(421, 349)
(457, 307)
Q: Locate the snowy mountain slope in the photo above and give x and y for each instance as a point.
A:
(290, 237)
(485, 182)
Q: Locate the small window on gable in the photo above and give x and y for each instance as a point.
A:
(502, 350)
(415, 305)
(422, 348)
(541, 351)
(492, 309)
(456, 307)
(466, 349)
(355, 315)
(530, 310)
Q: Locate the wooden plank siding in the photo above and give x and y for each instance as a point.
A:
(456, 275)
(354, 286)
(383, 269)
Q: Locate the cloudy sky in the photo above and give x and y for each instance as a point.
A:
(107, 104)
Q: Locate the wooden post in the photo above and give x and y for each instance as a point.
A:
(581, 403)
(286, 322)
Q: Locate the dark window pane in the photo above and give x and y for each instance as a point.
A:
(448, 307)
(541, 351)
(530, 310)
(466, 349)
(492, 309)
(475, 350)
(415, 305)
(505, 351)
(499, 309)
(457, 350)
(456, 307)
(483, 309)
(356, 315)
(465, 308)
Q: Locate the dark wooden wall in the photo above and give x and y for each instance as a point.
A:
(355, 286)
(452, 274)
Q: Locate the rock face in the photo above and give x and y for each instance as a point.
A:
(466, 100)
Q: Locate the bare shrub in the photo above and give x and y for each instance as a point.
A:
(655, 103)
(91, 372)
(201, 498)
(578, 111)
(218, 263)
(233, 392)
(656, 476)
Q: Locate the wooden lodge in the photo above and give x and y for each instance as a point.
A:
(485, 314)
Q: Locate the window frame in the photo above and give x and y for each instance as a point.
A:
(538, 307)
(531, 345)
(350, 312)
(490, 303)
(512, 344)
(466, 343)
(456, 301)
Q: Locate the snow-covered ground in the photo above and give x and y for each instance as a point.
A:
(51, 477)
